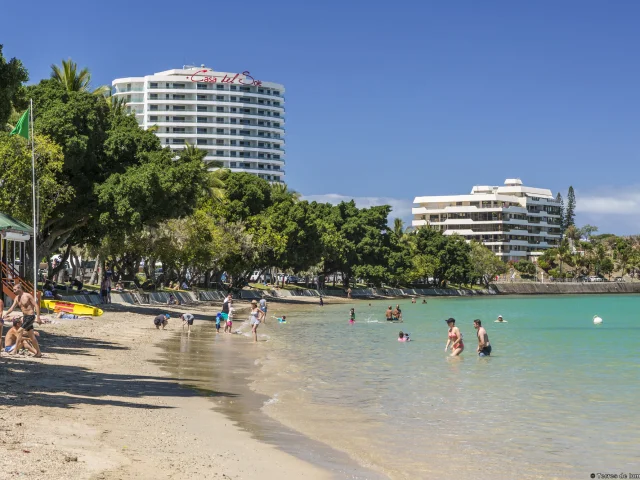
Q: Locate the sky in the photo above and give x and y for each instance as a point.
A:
(386, 101)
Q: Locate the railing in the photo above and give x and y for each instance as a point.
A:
(11, 277)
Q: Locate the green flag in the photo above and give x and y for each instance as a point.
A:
(22, 127)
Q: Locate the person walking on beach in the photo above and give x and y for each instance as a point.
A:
(30, 314)
(321, 301)
(349, 292)
(389, 314)
(454, 338)
(484, 347)
(256, 317)
(187, 318)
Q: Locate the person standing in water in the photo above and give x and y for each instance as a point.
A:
(352, 316)
(321, 301)
(398, 313)
(500, 320)
(484, 347)
(256, 318)
(389, 314)
(454, 338)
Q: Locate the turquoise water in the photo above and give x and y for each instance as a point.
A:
(558, 398)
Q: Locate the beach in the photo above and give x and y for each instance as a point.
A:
(99, 406)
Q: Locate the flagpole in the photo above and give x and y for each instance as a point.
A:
(33, 179)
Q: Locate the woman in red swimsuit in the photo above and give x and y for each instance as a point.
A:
(454, 338)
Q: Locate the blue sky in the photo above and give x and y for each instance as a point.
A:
(389, 100)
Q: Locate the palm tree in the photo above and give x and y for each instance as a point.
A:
(281, 189)
(68, 76)
(398, 228)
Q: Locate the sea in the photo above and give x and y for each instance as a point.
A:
(559, 397)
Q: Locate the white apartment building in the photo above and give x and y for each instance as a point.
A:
(513, 221)
(237, 119)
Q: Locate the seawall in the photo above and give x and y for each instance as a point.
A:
(565, 288)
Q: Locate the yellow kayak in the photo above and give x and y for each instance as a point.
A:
(70, 307)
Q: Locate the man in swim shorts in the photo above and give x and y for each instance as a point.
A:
(188, 319)
(389, 314)
(484, 347)
(30, 314)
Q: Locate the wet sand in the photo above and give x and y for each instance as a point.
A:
(100, 406)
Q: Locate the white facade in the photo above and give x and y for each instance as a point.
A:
(238, 120)
(513, 221)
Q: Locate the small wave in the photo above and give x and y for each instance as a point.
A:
(272, 400)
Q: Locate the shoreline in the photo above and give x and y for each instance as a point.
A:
(104, 409)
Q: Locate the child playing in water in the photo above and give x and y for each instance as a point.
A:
(403, 337)
(229, 323)
(282, 319)
(218, 320)
(352, 316)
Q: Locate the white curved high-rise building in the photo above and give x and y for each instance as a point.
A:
(237, 119)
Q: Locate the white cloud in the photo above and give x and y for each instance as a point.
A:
(613, 211)
(620, 203)
(399, 207)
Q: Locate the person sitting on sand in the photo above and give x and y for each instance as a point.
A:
(500, 320)
(187, 318)
(10, 345)
(162, 319)
(389, 314)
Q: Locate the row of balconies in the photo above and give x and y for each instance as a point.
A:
(199, 87)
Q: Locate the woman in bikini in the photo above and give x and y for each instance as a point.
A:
(454, 338)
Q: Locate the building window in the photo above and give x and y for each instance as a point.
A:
(153, 96)
(245, 89)
(276, 92)
(245, 132)
(246, 110)
(219, 142)
(219, 97)
(153, 107)
(245, 99)
(202, 131)
(232, 131)
(233, 99)
(233, 120)
(178, 141)
(220, 153)
(219, 109)
(233, 154)
(179, 108)
(276, 104)
(178, 119)
(178, 130)
(220, 87)
(276, 114)
(277, 125)
(202, 86)
(153, 118)
(220, 130)
(233, 87)
(276, 157)
(219, 120)
(178, 97)
(202, 141)
(202, 119)
(153, 85)
(202, 108)
(202, 97)
(179, 85)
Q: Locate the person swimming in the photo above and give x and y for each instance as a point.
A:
(500, 320)
(352, 316)
(403, 337)
(282, 319)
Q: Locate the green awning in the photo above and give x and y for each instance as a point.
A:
(8, 223)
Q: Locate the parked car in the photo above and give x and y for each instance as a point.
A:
(594, 278)
(619, 279)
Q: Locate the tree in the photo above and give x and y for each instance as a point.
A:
(562, 218)
(587, 231)
(12, 76)
(525, 267)
(485, 265)
(72, 80)
(570, 215)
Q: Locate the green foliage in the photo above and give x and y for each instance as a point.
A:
(570, 213)
(485, 265)
(12, 76)
(562, 218)
(72, 80)
(525, 267)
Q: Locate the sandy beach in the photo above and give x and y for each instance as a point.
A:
(99, 406)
